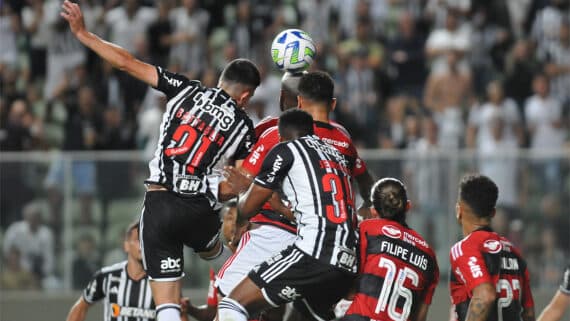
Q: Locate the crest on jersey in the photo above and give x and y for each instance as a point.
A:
(391, 231)
(493, 246)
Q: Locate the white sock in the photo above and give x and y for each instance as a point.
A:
(217, 260)
(168, 312)
(231, 310)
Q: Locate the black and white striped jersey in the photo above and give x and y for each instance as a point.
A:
(201, 130)
(315, 178)
(125, 299)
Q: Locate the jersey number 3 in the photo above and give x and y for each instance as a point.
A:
(337, 212)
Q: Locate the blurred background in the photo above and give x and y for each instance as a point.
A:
(429, 90)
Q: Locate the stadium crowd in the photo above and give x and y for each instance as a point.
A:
(421, 76)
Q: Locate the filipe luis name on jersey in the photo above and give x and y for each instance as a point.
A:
(421, 261)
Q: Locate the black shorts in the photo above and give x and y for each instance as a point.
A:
(293, 276)
(169, 222)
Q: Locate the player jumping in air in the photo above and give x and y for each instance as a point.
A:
(202, 130)
(319, 268)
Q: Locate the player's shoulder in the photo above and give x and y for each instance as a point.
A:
(113, 268)
(265, 123)
(340, 128)
(270, 133)
(483, 240)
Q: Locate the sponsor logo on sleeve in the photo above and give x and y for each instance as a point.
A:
(474, 267)
(492, 246)
(391, 231)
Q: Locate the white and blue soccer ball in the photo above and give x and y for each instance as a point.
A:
(293, 50)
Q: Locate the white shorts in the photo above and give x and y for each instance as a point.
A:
(255, 246)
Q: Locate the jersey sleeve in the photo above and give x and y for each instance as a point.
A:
(565, 285)
(359, 166)
(275, 167)
(94, 291)
(246, 145)
(527, 300)
(212, 299)
(468, 264)
(363, 245)
(252, 163)
(171, 84)
(433, 285)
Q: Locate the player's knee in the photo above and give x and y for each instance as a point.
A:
(230, 309)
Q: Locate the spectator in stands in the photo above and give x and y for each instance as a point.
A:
(492, 161)
(14, 276)
(20, 128)
(359, 109)
(520, 68)
(558, 64)
(406, 52)
(547, 23)
(452, 38)
(36, 27)
(9, 26)
(550, 260)
(128, 22)
(33, 240)
(85, 263)
(479, 129)
(158, 34)
(241, 32)
(446, 94)
(363, 41)
(189, 23)
(544, 121)
(392, 134)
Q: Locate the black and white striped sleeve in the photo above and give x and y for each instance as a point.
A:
(172, 83)
(94, 291)
(275, 167)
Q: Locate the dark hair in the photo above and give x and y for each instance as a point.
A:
(389, 197)
(295, 123)
(290, 90)
(480, 193)
(241, 71)
(317, 86)
(132, 227)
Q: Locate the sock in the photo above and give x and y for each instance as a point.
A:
(231, 310)
(217, 260)
(168, 312)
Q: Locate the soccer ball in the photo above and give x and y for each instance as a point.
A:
(293, 50)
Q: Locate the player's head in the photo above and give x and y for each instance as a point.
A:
(240, 78)
(477, 198)
(289, 90)
(131, 244)
(390, 200)
(295, 123)
(316, 89)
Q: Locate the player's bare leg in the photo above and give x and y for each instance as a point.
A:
(244, 299)
(166, 295)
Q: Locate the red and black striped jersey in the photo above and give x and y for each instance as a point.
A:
(485, 257)
(333, 134)
(398, 272)
(201, 130)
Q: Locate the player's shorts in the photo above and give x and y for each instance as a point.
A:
(293, 276)
(168, 222)
(255, 246)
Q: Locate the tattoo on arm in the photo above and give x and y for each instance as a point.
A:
(478, 310)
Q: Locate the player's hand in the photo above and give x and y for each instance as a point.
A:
(237, 180)
(72, 13)
(184, 304)
(364, 212)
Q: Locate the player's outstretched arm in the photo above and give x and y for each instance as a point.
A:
(78, 311)
(481, 303)
(115, 55)
(554, 311)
